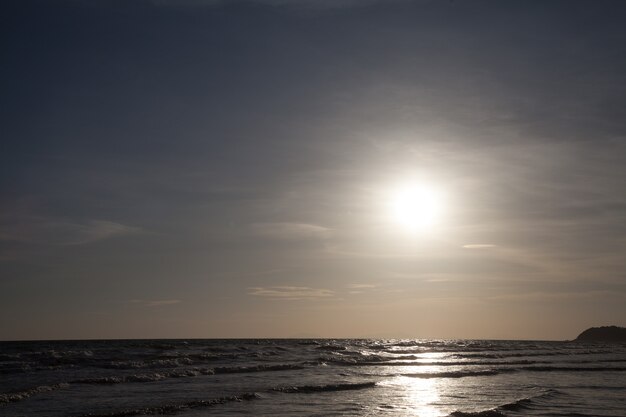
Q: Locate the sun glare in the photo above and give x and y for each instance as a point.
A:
(416, 207)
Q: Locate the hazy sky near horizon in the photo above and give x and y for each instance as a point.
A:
(205, 168)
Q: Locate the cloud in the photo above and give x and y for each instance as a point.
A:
(290, 293)
(291, 231)
(155, 303)
(362, 286)
(479, 246)
(48, 231)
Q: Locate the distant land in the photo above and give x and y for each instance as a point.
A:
(603, 334)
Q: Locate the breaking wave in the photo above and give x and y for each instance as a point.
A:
(307, 389)
(256, 368)
(573, 369)
(486, 413)
(152, 377)
(145, 377)
(175, 408)
(516, 406)
(459, 374)
(22, 395)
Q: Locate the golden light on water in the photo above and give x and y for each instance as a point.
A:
(419, 396)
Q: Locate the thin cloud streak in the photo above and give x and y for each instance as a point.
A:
(49, 231)
(291, 231)
(155, 303)
(362, 286)
(290, 293)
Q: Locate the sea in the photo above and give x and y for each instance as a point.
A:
(312, 377)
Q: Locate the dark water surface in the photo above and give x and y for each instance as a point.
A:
(425, 378)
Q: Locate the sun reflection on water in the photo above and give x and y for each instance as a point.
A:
(419, 395)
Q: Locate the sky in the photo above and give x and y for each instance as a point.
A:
(218, 169)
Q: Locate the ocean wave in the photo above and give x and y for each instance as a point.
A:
(486, 413)
(368, 360)
(15, 369)
(107, 380)
(520, 405)
(603, 387)
(145, 377)
(526, 403)
(501, 366)
(516, 354)
(5, 357)
(257, 368)
(279, 348)
(375, 360)
(308, 342)
(489, 363)
(458, 374)
(22, 395)
(397, 355)
(411, 361)
(175, 408)
(155, 363)
(497, 371)
(151, 377)
(405, 351)
(573, 369)
(172, 361)
(332, 348)
(308, 389)
(505, 355)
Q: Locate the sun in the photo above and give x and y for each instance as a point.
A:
(416, 207)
